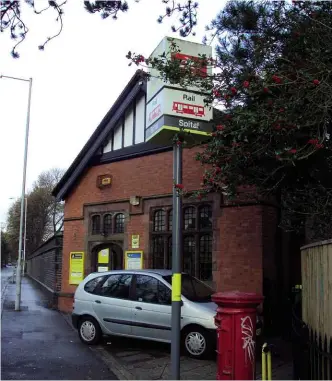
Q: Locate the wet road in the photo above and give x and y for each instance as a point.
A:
(38, 344)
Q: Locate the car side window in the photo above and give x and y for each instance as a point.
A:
(91, 286)
(151, 290)
(116, 286)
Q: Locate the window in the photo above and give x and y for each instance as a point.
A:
(119, 223)
(205, 217)
(93, 283)
(189, 254)
(96, 224)
(170, 220)
(108, 224)
(159, 221)
(193, 289)
(197, 240)
(151, 290)
(116, 286)
(189, 218)
(205, 257)
(158, 252)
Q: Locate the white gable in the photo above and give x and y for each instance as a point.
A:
(130, 130)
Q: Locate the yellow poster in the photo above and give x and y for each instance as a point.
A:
(76, 267)
(135, 241)
(103, 256)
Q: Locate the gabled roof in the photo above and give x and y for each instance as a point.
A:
(136, 85)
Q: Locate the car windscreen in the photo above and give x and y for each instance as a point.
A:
(193, 289)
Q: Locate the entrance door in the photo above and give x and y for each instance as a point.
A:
(109, 257)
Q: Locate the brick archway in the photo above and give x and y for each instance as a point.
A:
(115, 256)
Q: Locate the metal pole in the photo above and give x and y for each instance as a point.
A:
(0, 240)
(176, 264)
(25, 233)
(18, 270)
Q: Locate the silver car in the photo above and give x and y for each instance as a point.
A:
(138, 304)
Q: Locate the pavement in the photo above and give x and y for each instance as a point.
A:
(27, 355)
(38, 344)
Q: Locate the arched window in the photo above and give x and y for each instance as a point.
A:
(108, 224)
(205, 257)
(119, 223)
(189, 218)
(96, 224)
(205, 217)
(159, 221)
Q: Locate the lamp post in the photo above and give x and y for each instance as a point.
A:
(19, 258)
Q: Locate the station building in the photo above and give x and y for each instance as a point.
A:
(118, 199)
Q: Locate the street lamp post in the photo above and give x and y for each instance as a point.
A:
(19, 258)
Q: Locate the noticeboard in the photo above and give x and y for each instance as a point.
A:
(134, 260)
(76, 267)
(103, 256)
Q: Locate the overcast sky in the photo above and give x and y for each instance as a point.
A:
(75, 82)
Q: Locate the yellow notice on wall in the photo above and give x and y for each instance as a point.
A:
(135, 241)
(76, 267)
(103, 256)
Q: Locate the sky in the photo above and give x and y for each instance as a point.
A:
(76, 79)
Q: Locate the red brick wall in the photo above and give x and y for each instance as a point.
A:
(144, 176)
(238, 240)
(239, 253)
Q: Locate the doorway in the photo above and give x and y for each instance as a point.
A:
(108, 257)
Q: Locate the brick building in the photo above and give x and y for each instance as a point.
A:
(230, 247)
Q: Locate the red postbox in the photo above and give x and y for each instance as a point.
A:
(236, 334)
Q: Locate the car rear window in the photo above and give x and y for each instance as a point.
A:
(91, 286)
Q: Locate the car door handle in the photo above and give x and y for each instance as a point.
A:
(138, 308)
(98, 301)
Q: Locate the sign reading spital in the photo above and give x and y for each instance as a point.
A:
(186, 107)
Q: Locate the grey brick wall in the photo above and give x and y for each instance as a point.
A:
(44, 266)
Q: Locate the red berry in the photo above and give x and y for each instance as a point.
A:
(316, 82)
(246, 84)
(233, 90)
(276, 79)
(293, 150)
(266, 90)
(313, 141)
(220, 127)
(178, 186)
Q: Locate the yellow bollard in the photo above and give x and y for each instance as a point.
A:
(266, 363)
(269, 365)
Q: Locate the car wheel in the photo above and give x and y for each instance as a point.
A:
(196, 342)
(89, 331)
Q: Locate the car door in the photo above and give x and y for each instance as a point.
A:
(113, 305)
(152, 308)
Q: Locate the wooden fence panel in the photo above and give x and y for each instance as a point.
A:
(317, 287)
